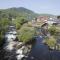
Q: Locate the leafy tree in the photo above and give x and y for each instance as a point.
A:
(52, 30)
(51, 42)
(19, 21)
(1, 37)
(18, 25)
(26, 34)
(4, 22)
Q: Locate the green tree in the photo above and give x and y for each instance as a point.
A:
(26, 34)
(52, 30)
(4, 22)
(51, 42)
(19, 21)
(1, 37)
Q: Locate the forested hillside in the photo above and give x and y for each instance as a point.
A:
(20, 12)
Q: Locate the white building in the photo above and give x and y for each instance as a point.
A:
(51, 21)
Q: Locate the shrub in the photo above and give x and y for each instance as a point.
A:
(52, 30)
(1, 38)
(26, 34)
(51, 42)
(18, 25)
(4, 22)
(19, 21)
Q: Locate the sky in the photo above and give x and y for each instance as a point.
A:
(38, 6)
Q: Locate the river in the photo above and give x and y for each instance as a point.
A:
(39, 51)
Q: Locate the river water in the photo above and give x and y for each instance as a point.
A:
(41, 52)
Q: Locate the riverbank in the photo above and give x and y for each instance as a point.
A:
(13, 49)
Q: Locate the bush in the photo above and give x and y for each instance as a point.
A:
(19, 21)
(26, 34)
(1, 38)
(51, 42)
(52, 30)
(18, 25)
(4, 22)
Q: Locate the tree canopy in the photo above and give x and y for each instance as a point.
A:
(26, 34)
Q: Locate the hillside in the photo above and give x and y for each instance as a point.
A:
(22, 12)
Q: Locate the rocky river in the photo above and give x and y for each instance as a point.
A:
(15, 50)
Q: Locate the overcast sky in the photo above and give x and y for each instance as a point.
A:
(38, 6)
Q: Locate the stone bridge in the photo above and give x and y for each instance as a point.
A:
(39, 25)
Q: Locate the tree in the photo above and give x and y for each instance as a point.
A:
(1, 37)
(52, 30)
(4, 22)
(26, 34)
(19, 21)
(51, 42)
